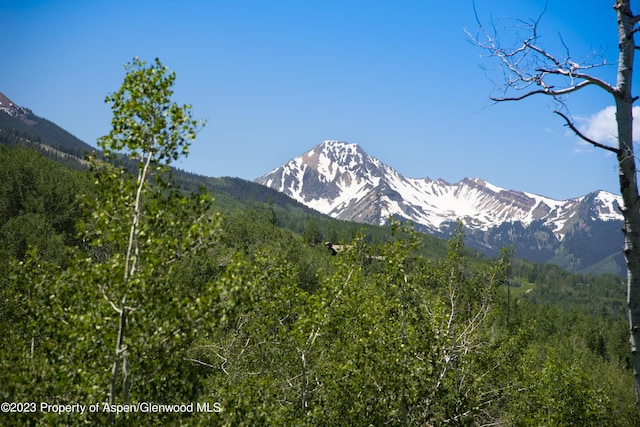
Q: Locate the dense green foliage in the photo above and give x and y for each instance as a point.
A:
(263, 324)
(39, 206)
(280, 332)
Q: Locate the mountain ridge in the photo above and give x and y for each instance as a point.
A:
(344, 182)
(591, 245)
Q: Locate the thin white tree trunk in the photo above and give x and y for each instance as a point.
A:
(628, 179)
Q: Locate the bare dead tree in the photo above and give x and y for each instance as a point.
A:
(529, 69)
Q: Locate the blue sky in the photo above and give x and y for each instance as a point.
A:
(275, 78)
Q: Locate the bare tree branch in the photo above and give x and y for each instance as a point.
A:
(104, 294)
(532, 70)
(571, 73)
(547, 91)
(200, 362)
(575, 130)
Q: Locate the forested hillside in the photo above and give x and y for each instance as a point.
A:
(125, 300)
(272, 328)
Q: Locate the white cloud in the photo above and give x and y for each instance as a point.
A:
(601, 126)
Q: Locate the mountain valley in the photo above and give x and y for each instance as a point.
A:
(342, 181)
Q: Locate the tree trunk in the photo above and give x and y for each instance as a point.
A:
(116, 360)
(628, 180)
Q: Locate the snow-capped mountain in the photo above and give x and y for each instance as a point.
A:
(341, 180)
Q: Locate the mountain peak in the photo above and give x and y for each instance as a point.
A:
(328, 176)
(7, 105)
(336, 144)
(14, 110)
(331, 152)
